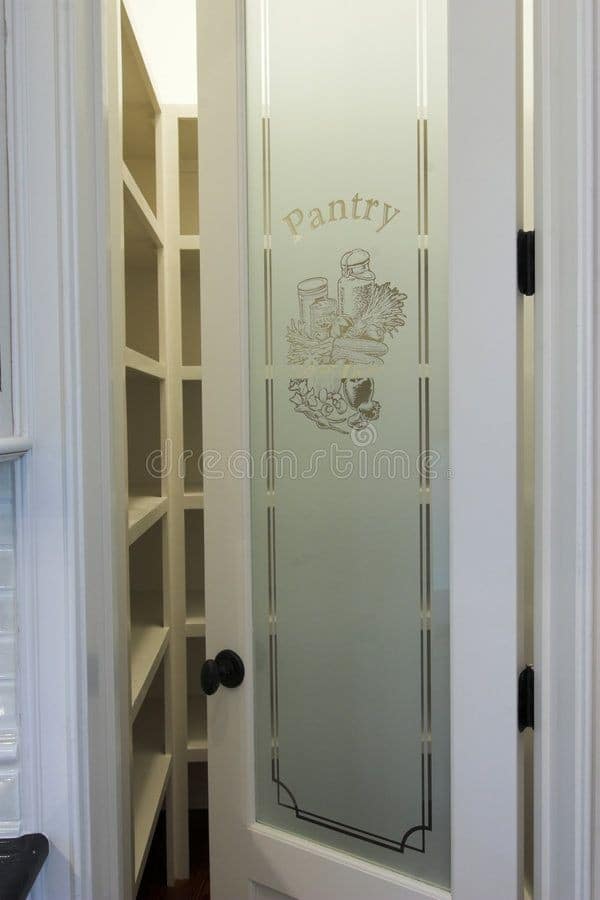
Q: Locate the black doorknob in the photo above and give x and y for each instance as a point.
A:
(226, 668)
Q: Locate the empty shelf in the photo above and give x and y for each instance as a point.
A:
(147, 218)
(188, 176)
(140, 114)
(148, 645)
(194, 598)
(150, 777)
(195, 626)
(193, 499)
(143, 513)
(144, 365)
(189, 242)
(197, 742)
(191, 373)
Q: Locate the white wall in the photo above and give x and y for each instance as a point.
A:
(166, 31)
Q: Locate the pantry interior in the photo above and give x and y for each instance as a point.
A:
(158, 390)
(157, 331)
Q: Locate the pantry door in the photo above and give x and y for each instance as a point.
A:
(358, 221)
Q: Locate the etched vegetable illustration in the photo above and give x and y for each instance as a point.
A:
(349, 330)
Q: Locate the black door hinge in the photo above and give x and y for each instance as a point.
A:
(526, 262)
(526, 699)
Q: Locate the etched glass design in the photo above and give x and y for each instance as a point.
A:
(349, 425)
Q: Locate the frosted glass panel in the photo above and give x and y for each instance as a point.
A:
(349, 424)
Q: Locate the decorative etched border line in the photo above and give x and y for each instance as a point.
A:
(424, 441)
(289, 801)
(268, 260)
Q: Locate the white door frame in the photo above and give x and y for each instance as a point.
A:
(61, 376)
(567, 438)
(70, 640)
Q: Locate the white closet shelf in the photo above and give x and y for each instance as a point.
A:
(195, 606)
(148, 646)
(147, 217)
(191, 373)
(197, 743)
(195, 626)
(189, 241)
(193, 499)
(143, 513)
(151, 773)
(145, 91)
(144, 365)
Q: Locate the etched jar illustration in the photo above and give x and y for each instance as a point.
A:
(333, 340)
(317, 309)
(356, 283)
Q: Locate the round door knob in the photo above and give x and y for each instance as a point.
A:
(226, 668)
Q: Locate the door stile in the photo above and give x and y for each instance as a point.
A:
(483, 527)
(221, 117)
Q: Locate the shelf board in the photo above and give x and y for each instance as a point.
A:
(195, 607)
(195, 626)
(191, 373)
(151, 773)
(189, 241)
(197, 749)
(144, 365)
(148, 646)
(143, 513)
(147, 217)
(193, 499)
(146, 92)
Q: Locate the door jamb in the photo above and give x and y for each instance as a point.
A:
(59, 245)
(567, 490)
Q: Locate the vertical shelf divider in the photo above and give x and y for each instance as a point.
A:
(176, 493)
(190, 374)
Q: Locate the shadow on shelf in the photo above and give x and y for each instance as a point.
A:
(153, 885)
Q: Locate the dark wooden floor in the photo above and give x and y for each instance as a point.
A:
(153, 886)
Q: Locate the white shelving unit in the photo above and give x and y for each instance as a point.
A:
(148, 646)
(143, 513)
(182, 268)
(151, 770)
(196, 741)
(158, 415)
(144, 374)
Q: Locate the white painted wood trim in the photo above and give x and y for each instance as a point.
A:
(566, 372)
(277, 850)
(14, 447)
(6, 392)
(483, 529)
(225, 387)
(594, 192)
(49, 405)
